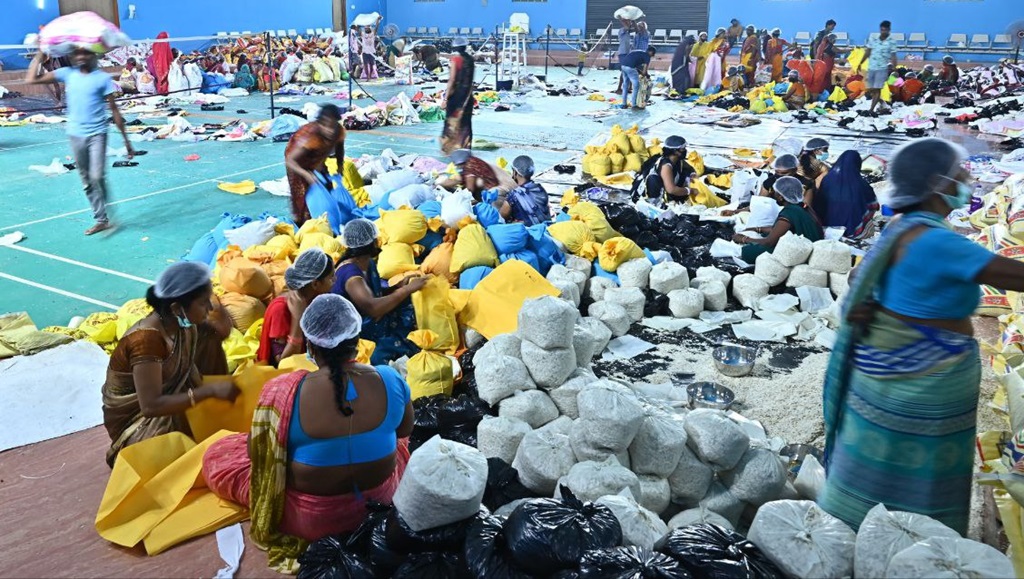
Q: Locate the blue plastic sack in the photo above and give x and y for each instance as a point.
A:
(782, 88)
(544, 247)
(371, 212)
(204, 250)
(508, 237)
(524, 255)
(599, 272)
(562, 216)
(228, 221)
(823, 97)
(430, 209)
(285, 126)
(473, 276)
(431, 240)
(320, 201)
(486, 214)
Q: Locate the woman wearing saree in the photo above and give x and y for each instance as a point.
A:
(159, 63)
(718, 50)
(750, 55)
(901, 389)
(458, 100)
(243, 74)
(795, 217)
(845, 199)
(773, 52)
(700, 53)
(681, 79)
(152, 376)
(306, 155)
(322, 444)
(825, 54)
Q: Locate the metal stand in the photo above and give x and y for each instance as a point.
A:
(270, 65)
(547, 53)
(351, 66)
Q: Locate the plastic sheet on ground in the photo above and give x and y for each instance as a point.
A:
(277, 187)
(667, 323)
(626, 347)
(777, 303)
(764, 331)
(54, 168)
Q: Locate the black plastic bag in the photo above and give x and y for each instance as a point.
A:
(621, 215)
(486, 552)
(427, 565)
(629, 231)
(426, 424)
(656, 304)
(359, 540)
(329, 559)
(462, 412)
(452, 418)
(630, 563)
(547, 535)
(503, 485)
(647, 240)
(710, 552)
(402, 539)
(385, 559)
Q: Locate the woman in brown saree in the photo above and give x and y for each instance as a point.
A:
(458, 103)
(152, 377)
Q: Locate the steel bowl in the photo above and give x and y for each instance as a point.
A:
(710, 395)
(733, 360)
(795, 454)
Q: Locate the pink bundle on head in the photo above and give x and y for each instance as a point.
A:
(85, 30)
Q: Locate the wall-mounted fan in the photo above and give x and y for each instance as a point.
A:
(391, 31)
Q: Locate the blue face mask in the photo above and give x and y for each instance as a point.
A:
(183, 321)
(962, 197)
(823, 157)
(309, 356)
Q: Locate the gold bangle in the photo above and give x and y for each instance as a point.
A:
(192, 397)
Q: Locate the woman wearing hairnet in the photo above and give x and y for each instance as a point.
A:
(311, 275)
(901, 390)
(388, 315)
(152, 376)
(322, 444)
(795, 217)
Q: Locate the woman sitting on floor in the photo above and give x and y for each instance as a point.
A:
(795, 217)
(845, 199)
(152, 376)
(813, 166)
(388, 315)
(322, 444)
(311, 275)
(797, 95)
(243, 74)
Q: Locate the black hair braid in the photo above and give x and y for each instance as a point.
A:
(336, 359)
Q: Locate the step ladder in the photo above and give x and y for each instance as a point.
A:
(513, 56)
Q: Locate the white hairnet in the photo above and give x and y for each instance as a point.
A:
(915, 167)
(460, 41)
(524, 166)
(790, 188)
(359, 233)
(308, 267)
(816, 143)
(784, 162)
(330, 320)
(181, 278)
(459, 156)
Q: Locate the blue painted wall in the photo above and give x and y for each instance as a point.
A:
(486, 14)
(206, 17)
(937, 18)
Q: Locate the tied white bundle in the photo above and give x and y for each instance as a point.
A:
(640, 527)
(499, 376)
(549, 367)
(591, 480)
(793, 250)
(568, 291)
(658, 443)
(686, 303)
(807, 276)
(530, 406)
(715, 438)
(655, 494)
(598, 286)
(713, 273)
(698, 516)
(883, 534)
(715, 298)
(565, 395)
(757, 478)
(632, 299)
(444, 482)
(770, 270)
(803, 540)
(502, 344)
(669, 276)
(547, 322)
(610, 415)
(691, 478)
(839, 283)
(602, 335)
(579, 264)
(499, 437)
(950, 557)
(831, 256)
(635, 273)
(748, 288)
(544, 456)
(723, 502)
(614, 316)
(561, 273)
(585, 343)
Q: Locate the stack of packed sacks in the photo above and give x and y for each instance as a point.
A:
(806, 542)
(624, 151)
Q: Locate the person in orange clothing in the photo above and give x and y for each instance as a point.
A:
(855, 87)
(307, 153)
(911, 89)
(773, 52)
(311, 275)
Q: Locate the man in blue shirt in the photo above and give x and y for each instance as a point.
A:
(634, 65)
(527, 203)
(90, 93)
(881, 57)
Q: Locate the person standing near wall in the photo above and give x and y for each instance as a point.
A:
(830, 26)
(735, 32)
(89, 92)
(458, 100)
(750, 55)
(881, 57)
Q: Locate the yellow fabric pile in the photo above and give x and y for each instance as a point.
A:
(626, 150)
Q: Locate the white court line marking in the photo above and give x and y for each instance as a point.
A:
(80, 264)
(71, 295)
(143, 196)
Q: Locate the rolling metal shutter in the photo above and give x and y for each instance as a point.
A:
(668, 14)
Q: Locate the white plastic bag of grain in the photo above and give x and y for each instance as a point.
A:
(635, 273)
(691, 479)
(698, 516)
(714, 273)
(585, 343)
(499, 437)
(590, 480)
(811, 478)
(631, 298)
(803, 540)
(597, 286)
(950, 557)
(793, 250)
(506, 509)
(579, 264)
(544, 456)
(474, 338)
(759, 477)
(499, 376)
(568, 291)
(747, 288)
(669, 276)
(444, 482)
(610, 415)
(560, 272)
(715, 298)
(805, 275)
(655, 494)
(565, 395)
(640, 527)
(831, 256)
(547, 322)
(533, 407)
(883, 534)
(602, 335)
(770, 270)
(614, 316)
(549, 367)
(455, 208)
(716, 439)
(686, 303)
(502, 344)
(839, 283)
(588, 451)
(658, 443)
(721, 501)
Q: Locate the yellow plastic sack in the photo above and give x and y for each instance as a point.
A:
(315, 225)
(618, 161)
(636, 144)
(618, 251)
(704, 196)
(100, 327)
(592, 215)
(621, 143)
(721, 181)
(324, 241)
(244, 310)
(633, 162)
(247, 187)
(430, 372)
(618, 179)
(435, 312)
(19, 335)
(395, 259)
(494, 304)
(364, 351)
(472, 248)
(459, 299)
(244, 276)
(402, 226)
(654, 148)
(265, 253)
(596, 96)
(283, 241)
(152, 491)
(838, 95)
(600, 165)
(576, 237)
(857, 60)
(212, 415)
(694, 159)
(886, 93)
(570, 197)
(130, 313)
(758, 106)
(239, 349)
(439, 262)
